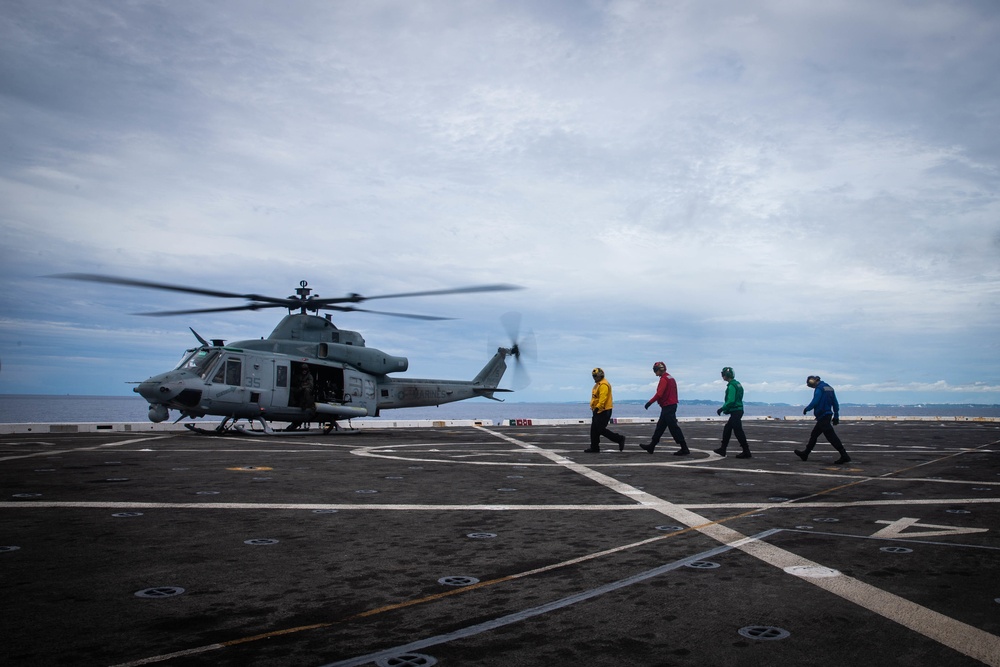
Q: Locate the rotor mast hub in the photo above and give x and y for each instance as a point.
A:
(303, 298)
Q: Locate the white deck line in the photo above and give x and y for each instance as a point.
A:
(964, 638)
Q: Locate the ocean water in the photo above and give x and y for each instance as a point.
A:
(19, 409)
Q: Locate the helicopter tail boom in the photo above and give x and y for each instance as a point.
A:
(414, 392)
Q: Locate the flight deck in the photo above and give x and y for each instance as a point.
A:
(502, 545)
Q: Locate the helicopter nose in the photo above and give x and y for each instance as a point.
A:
(156, 390)
(147, 390)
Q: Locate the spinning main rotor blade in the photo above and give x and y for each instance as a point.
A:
(259, 301)
(195, 311)
(358, 298)
(350, 309)
(114, 280)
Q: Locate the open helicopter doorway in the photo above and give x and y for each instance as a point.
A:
(309, 384)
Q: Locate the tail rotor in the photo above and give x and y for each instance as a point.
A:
(520, 347)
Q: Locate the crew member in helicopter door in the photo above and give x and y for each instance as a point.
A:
(304, 389)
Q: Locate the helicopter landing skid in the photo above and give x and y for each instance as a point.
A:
(305, 430)
(208, 431)
(233, 427)
(230, 426)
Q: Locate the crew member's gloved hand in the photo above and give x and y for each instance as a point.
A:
(648, 403)
(806, 411)
(719, 411)
(595, 411)
(836, 420)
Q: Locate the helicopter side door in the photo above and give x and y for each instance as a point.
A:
(226, 393)
(280, 391)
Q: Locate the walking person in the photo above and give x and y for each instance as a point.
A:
(666, 398)
(600, 406)
(733, 406)
(826, 409)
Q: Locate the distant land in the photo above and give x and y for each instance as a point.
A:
(625, 401)
(842, 403)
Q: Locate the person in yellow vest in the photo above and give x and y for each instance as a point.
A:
(600, 406)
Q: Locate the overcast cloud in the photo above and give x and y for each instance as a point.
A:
(786, 187)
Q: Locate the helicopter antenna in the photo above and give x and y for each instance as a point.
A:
(200, 339)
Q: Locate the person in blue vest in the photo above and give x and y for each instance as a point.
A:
(826, 409)
(733, 406)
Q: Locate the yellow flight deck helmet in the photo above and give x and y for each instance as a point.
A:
(598, 374)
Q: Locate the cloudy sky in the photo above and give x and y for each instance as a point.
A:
(783, 186)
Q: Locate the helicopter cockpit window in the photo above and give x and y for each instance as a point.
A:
(199, 360)
(230, 372)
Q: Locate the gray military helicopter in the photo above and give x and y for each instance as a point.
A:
(307, 370)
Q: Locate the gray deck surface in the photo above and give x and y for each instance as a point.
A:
(364, 548)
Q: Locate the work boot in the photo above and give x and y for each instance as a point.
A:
(802, 455)
(745, 454)
(648, 448)
(683, 451)
(844, 458)
(721, 451)
(593, 450)
(621, 444)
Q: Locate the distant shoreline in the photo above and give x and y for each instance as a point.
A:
(626, 401)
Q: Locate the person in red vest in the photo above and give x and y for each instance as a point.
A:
(666, 398)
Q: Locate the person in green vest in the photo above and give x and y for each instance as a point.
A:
(733, 407)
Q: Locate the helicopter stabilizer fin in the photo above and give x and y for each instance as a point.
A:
(488, 393)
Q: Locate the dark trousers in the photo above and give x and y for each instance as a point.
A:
(735, 426)
(599, 426)
(668, 420)
(824, 426)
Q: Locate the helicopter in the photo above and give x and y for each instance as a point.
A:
(307, 370)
